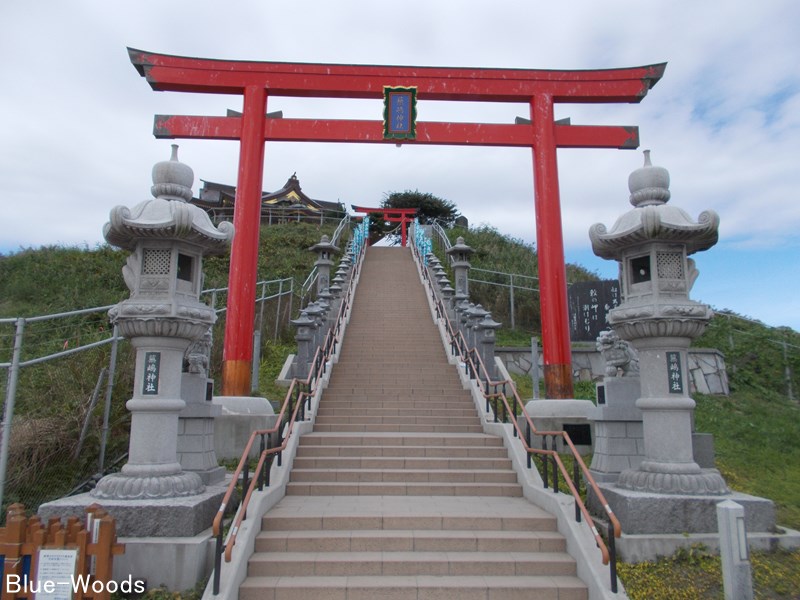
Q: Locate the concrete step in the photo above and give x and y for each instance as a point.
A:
(401, 488)
(389, 410)
(397, 389)
(400, 540)
(410, 439)
(365, 400)
(434, 513)
(421, 368)
(412, 403)
(406, 419)
(451, 452)
(392, 381)
(344, 475)
(414, 587)
(401, 462)
(332, 564)
(354, 428)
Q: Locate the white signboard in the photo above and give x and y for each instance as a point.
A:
(55, 573)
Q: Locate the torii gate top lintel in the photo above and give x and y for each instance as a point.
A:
(166, 72)
(257, 81)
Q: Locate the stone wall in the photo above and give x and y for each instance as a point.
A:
(706, 366)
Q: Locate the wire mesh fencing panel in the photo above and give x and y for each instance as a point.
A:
(63, 403)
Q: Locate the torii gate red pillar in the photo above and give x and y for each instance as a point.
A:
(238, 351)
(539, 88)
(550, 249)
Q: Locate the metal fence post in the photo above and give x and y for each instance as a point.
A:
(787, 372)
(112, 369)
(511, 300)
(278, 310)
(88, 417)
(11, 393)
(291, 300)
(535, 367)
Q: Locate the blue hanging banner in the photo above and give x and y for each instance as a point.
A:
(399, 113)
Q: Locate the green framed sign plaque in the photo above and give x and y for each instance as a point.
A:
(152, 373)
(674, 372)
(399, 113)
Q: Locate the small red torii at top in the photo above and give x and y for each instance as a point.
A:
(404, 216)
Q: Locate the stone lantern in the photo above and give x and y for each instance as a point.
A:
(325, 251)
(305, 336)
(447, 295)
(459, 255)
(485, 339)
(652, 243)
(462, 309)
(168, 238)
(316, 312)
(474, 315)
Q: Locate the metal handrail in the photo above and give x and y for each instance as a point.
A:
(340, 229)
(297, 397)
(476, 370)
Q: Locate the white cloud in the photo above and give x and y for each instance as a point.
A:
(724, 119)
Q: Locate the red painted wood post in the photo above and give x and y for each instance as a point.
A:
(403, 236)
(550, 249)
(238, 350)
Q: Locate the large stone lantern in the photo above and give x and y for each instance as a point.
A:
(652, 243)
(168, 238)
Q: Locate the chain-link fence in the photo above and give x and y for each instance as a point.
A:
(65, 379)
(756, 355)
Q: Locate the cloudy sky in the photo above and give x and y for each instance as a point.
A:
(725, 119)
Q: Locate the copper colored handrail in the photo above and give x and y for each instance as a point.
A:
(476, 369)
(297, 396)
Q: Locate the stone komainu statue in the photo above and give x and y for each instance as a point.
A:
(620, 356)
(197, 355)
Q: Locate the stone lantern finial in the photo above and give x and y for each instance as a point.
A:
(649, 185)
(172, 179)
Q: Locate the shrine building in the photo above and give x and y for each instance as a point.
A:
(288, 204)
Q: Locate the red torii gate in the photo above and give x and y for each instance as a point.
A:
(392, 215)
(540, 89)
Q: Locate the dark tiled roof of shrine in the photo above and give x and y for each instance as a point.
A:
(219, 195)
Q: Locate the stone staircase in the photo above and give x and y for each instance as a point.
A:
(397, 493)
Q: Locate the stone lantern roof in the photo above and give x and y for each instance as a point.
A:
(168, 215)
(460, 248)
(324, 245)
(652, 220)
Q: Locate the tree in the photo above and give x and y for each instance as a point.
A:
(430, 208)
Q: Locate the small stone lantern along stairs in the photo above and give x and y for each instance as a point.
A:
(397, 493)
